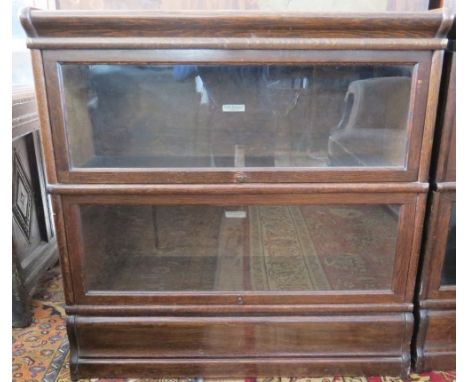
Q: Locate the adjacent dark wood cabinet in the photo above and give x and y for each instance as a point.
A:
(34, 244)
(238, 193)
(436, 331)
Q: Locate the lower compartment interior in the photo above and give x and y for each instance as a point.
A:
(239, 248)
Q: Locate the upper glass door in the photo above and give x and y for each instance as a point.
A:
(236, 116)
(233, 122)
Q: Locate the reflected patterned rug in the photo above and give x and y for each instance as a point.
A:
(310, 247)
(40, 352)
(238, 248)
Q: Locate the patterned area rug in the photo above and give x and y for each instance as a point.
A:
(40, 352)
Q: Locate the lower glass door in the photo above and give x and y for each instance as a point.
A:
(238, 248)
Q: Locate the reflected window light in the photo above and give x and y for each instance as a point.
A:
(21, 58)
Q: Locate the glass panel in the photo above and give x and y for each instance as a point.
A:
(237, 116)
(449, 273)
(252, 5)
(249, 248)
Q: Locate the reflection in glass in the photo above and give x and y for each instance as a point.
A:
(252, 5)
(236, 116)
(245, 248)
(449, 273)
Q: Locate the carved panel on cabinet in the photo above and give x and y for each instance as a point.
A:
(33, 241)
(22, 196)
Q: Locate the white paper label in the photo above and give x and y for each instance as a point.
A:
(235, 214)
(231, 108)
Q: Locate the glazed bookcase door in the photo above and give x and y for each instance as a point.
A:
(208, 249)
(236, 116)
(435, 343)
(448, 276)
(441, 252)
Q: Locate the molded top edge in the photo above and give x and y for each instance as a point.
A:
(249, 24)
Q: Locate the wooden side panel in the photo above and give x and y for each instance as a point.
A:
(431, 115)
